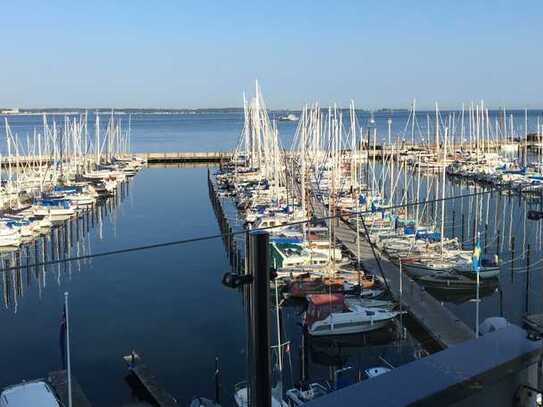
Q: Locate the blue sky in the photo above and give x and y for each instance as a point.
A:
(206, 53)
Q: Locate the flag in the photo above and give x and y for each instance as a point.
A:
(476, 257)
(63, 337)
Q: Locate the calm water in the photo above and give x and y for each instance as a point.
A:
(221, 131)
(169, 303)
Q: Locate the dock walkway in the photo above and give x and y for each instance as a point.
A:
(440, 323)
(59, 381)
(214, 157)
(140, 370)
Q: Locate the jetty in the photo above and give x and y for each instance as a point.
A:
(379, 151)
(439, 322)
(231, 244)
(149, 381)
(59, 381)
(187, 157)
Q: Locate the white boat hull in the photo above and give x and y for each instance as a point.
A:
(349, 330)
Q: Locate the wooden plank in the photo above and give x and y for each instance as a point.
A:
(59, 381)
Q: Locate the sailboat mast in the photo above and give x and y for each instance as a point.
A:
(443, 189)
(413, 123)
(97, 138)
(437, 132)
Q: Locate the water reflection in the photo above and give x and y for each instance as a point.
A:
(49, 254)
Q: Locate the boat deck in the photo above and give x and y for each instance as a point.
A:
(442, 325)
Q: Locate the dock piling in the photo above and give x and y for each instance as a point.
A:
(527, 295)
(512, 258)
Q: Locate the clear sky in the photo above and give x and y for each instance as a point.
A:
(206, 53)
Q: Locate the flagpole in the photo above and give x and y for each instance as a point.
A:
(68, 361)
(477, 308)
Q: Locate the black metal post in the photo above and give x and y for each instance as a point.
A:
(259, 325)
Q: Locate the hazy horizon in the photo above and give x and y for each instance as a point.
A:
(106, 109)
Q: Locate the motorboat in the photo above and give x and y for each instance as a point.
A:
(291, 117)
(36, 393)
(53, 209)
(373, 372)
(241, 397)
(298, 397)
(9, 237)
(328, 314)
(203, 402)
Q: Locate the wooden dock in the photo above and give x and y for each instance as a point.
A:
(59, 381)
(198, 157)
(440, 323)
(149, 381)
(231, 244)
(379, 151)
(186, 157)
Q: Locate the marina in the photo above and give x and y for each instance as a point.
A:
(420, 319)
(347, 199)
(279, 204)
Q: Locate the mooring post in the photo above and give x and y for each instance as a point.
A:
(463, 240)
(453, 222)
(527, 280)
(512, 256)
(486, 237)
(498, 242)
(259, 325)
(500, 292)
(65, 236)
(36, 261)
(53, 243)
(27, 265)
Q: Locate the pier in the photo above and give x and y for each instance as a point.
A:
(440, 323)
(231, 244)
(379, 151)
(149, 381)
(187, 157)
(59, 381)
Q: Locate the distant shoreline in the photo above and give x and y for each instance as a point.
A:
(6, 112)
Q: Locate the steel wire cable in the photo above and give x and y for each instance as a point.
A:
(222, 235)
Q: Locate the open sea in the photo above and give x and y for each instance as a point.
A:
(169, 304)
